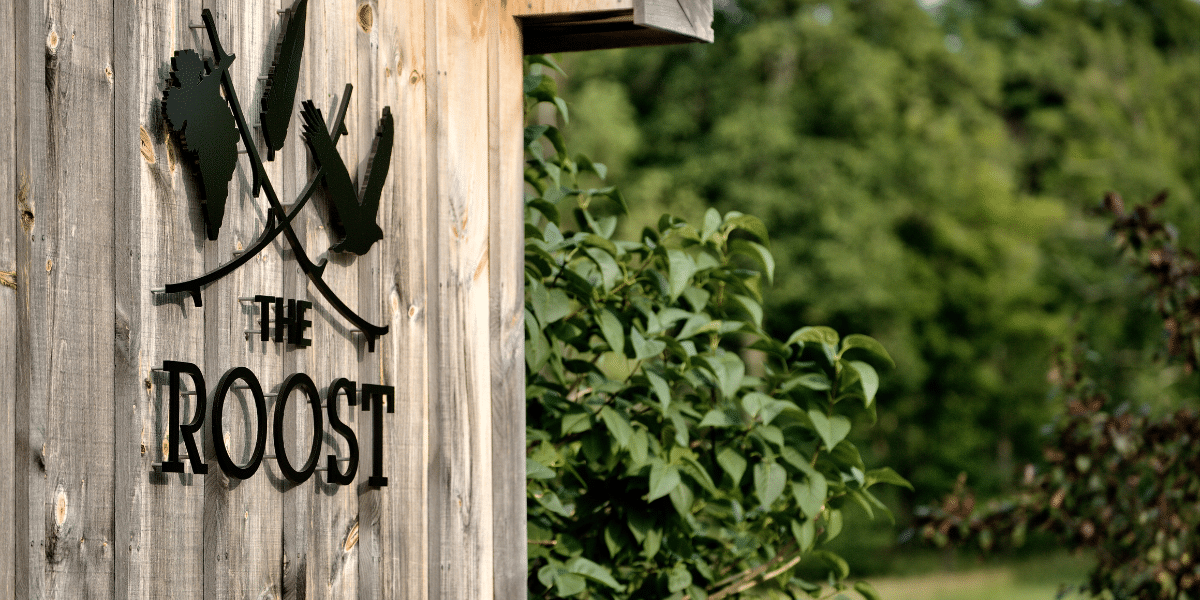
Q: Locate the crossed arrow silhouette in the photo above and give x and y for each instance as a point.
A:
(322, 142)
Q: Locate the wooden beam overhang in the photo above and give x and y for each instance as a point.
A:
(571, 25)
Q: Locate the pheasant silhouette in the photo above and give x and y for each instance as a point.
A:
(353, 213)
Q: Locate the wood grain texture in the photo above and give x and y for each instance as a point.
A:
(555, 7)
(460, 491)
(319, 517)
(689, 18)
(8, 293)
(393, 550)
(243, 520)
(158, 239)
(65, 415)
(30, 36)
(507, 303)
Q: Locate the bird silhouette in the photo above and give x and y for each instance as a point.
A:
(353, 213)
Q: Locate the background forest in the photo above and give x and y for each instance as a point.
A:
(930, 174)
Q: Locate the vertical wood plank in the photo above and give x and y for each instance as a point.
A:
(243, 524)
(507, 303)
(8, 292)
(296, 500)
(319, 516)
(159, 239)
(460, 490)
(393, 523)
(30, 35)
(64, 410)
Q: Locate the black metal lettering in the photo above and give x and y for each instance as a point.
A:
(297, 324)
(333, 474)
(218, 438)
(376, 394)
(173, 464)
(264, 316)
(304, 382)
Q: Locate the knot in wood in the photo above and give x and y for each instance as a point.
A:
(366, 17)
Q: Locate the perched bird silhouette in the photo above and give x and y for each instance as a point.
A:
(353, 214)
(279, 95)
(195, 110)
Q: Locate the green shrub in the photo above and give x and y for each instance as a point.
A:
(676, 450)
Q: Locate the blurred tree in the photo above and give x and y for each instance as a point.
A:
(925, 171)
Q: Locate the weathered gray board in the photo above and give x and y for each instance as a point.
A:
(99, 207)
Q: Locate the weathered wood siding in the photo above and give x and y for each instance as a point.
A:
(100, 207)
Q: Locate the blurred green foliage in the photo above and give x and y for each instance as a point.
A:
(1117, 481)
(926, 175)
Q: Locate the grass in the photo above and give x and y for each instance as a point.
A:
(1037, 578)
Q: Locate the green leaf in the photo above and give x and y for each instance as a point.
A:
(752, 225)
(586, 164)
(550, 501)
(661, 389)
(576, 422)
(546, 208)
(639, 447)
(663, 479)
(681, 268)
(557, 306)
(546, 574)
(682, 499)
(717, 418)
(867, 590)
(545, 59)
(679, 578)
(758, 253)
(562, 108)
(752, 307)
(609, 271)
(833, 519)
(831, 429)
(533, 132)
(733, 463)
(614, 332)
(653, 542)
(805, 533)
(617, 426)
(712, 222)
(582, 566)
(870, 380)
(536, 470)
(858, 498)
(841, 569)
(813, 381)
(769, 481)
(555, 136)
(886, 475)
(643, 348)
(614, 538)
(569, 584)
(819, 335)
(811, 493)
(867, 344)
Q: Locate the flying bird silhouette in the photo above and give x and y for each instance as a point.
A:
(353, 213)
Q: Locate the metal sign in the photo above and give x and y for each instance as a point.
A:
(210, 127)
(201, 106)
